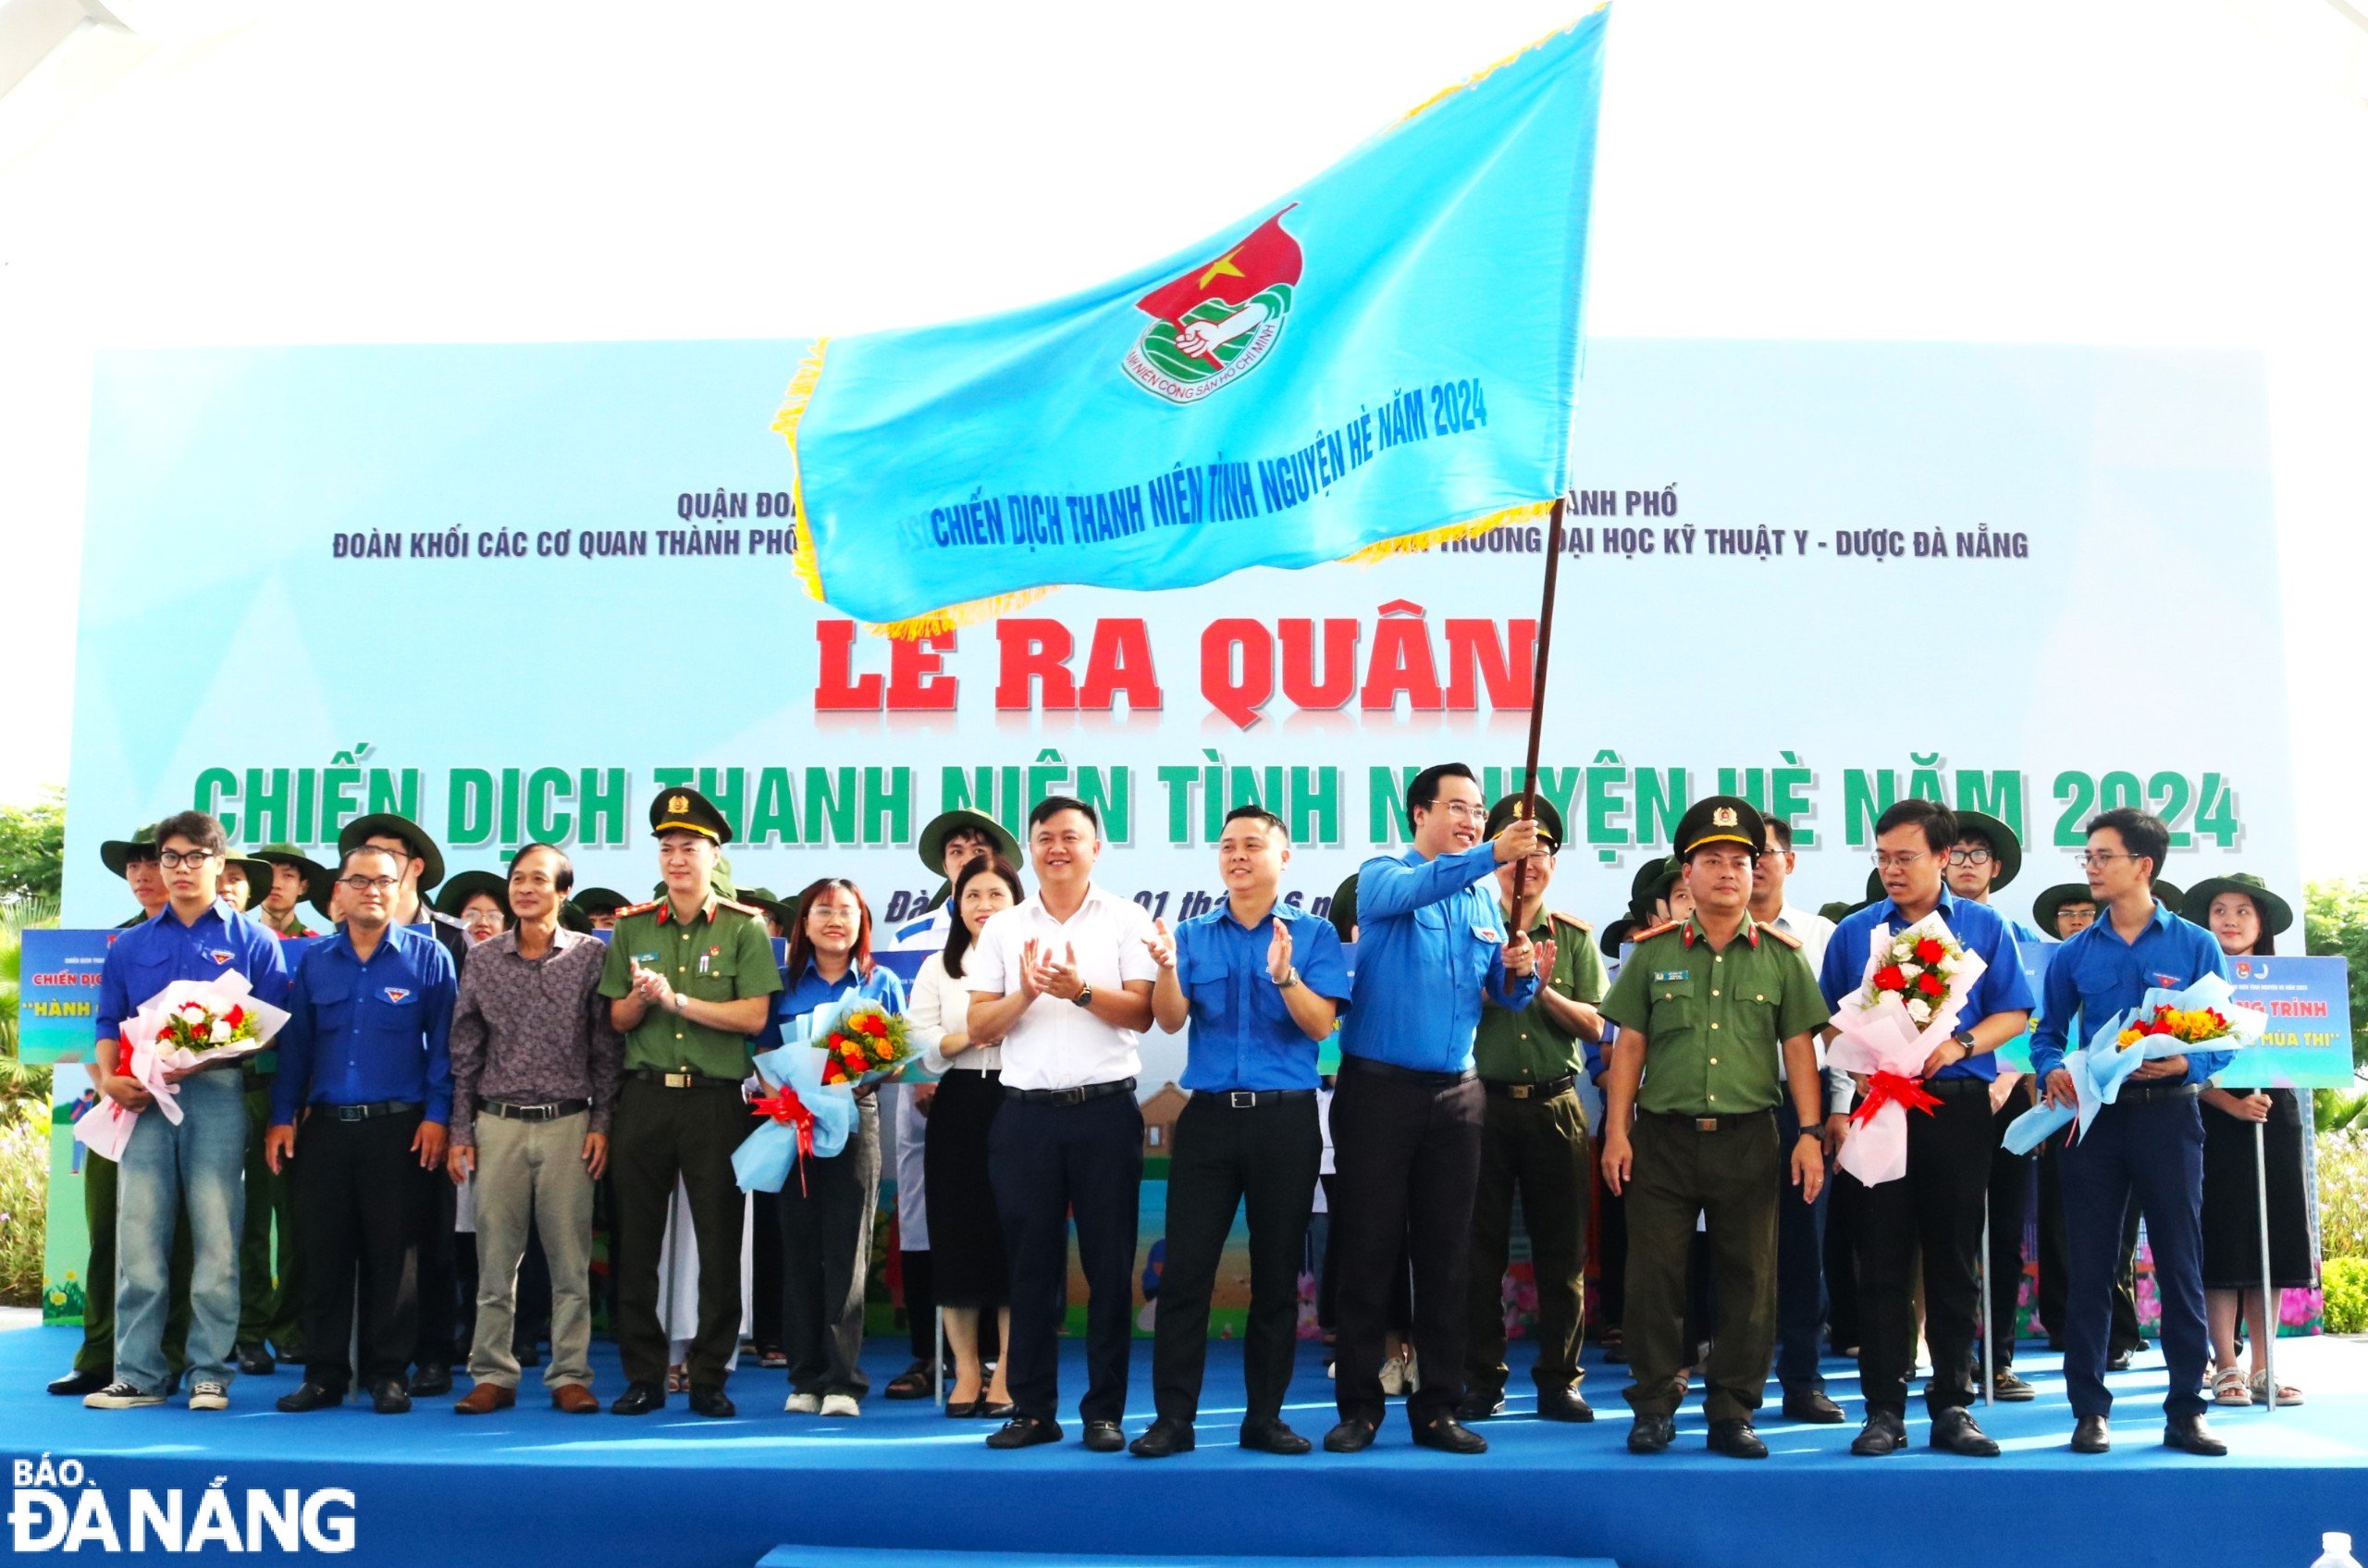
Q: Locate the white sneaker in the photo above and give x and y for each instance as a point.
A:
(209, 1396)
(1393, 1377)
(841, 1404)
(804, 1405)
(120, 1395)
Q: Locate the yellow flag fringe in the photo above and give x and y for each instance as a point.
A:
(1414, 544)
(1444, 94)
(793, 400)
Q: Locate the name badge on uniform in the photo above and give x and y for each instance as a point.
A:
(644, 957)
(397, 994)
(1660, 975)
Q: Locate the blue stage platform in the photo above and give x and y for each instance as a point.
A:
(530, 1486)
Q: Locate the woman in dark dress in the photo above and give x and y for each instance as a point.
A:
(2246, 917)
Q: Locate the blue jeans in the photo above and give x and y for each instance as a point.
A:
(1800, 1276)
(197, 1168)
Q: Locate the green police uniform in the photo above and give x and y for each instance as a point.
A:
(680, 1113)
(1532, 1142)
(1714, 1020)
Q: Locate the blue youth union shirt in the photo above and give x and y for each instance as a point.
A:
(1429, 939)
(2097, 975)
(2003, 988)
(362, 1032)
(159, 951)
(1242, 1034)
(808, 991)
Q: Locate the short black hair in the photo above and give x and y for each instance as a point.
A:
(1968, 831)
(1052, 806)
(2142, 833)
(1258, 813)
(564, 879)
(345, 859)
(1780, 834)
(1940, 823)
(145, 850)
(1425, 787)
(199, 827)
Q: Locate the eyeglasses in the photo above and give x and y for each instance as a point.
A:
(1465, 811)
(2100, 859)
(173, 859)
(367, 884)
(1968, 857)
(1884, 860)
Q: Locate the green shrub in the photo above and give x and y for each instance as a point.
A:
(2343, 1193)
(2345, 1281)
(24, 1200)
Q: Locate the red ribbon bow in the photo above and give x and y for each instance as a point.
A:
(790, 1111)
(1892, 1089)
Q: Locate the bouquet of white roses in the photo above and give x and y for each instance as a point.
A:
(1917, 982)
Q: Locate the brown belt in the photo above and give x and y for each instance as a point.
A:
(1710, 1124)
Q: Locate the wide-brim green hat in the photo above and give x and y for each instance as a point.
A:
(1549, 820)
(573, 918)
(599, 900)
(1616, 934)
(386, 824)
(258, 871)
(2168, 893)
(454, 895)
(766, 900)
(289, 854)
(2004, 845)
(1343, 913)
(2051, 902)
(2276, 914)
(945, 824)
(116, 853)
(1640, 886)
(718, 881)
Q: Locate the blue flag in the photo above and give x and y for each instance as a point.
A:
(1379, 360)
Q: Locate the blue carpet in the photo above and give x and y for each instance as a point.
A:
(530, 1486)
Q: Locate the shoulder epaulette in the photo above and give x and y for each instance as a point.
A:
(1660, 930)
(1781, 934)
(639, 909)
(748, 909)
(1573, 921)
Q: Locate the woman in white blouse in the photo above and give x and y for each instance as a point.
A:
(967, 1265)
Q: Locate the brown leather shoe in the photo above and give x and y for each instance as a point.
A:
(574, 1399)
(485, 1399)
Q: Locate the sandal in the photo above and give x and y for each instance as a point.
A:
(2286, 1393)
(913, 1383)
(678, 1380)
(2229, 1387)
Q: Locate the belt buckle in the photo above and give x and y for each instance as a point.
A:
(683, 1080)
(1073, 1096)
(537, 1113)
(1705, 1124)
(1241, 1099)
(1519, 1091)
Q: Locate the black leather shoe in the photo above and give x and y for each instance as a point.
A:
(1563, 1404)
(389, 1397)
(1165, 1437)
(1953, 1431)
(1883, 1433)
(81, 1383)
(1104, 1437)
(2119, 1361)
(1351, 1436)
(962, 1410)
(1450, 1435)
(2191, 1434)
(1480, 1407)
(640, 1399)
(1273, 1436)
(1811, 1406)
(1651, 1434)
(2091, 1433)
(254, 1360)
(432, 1378)
(1024, 1431)
(310, 1395)
(1736, 1439)
(1002, 1411)
(712, 1402)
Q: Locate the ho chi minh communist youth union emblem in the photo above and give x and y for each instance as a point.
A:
(1211, 327)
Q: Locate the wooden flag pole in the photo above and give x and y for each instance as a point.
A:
(1537, 693)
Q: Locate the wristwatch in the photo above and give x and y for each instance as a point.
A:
(1290, 977)
(1084, 997)
(1964, 1038)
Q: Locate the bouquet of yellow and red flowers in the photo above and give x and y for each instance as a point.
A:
(2189, 1026)
(864, 1044)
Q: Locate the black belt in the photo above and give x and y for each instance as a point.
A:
(1249, 1099)
(1069, 1096)
(1546, 1091)
(1957, 1087)
(1386, 1070)
(370, 1112)
(681, 1077)
(1727, 1123)
(550, 1111)
(2144, 1091)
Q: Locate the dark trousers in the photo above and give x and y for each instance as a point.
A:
(1265, 1157)
(1408, 1152)
(920, 1303)
(1051, 1162)
(1610, 1253)
(1843, 1329)
(825, 1258)
(1327, 1283)
(2054, 1261)
(1537, 1150)
(1800, 1276)
(1732, 1177)
(439, 1343)
(2010, 1191)
(271, 1299)
(1934, 1209)
(97, 1352)
(358, 1201)
(660, 1135)
(2147, 1155)
(764, 1271)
